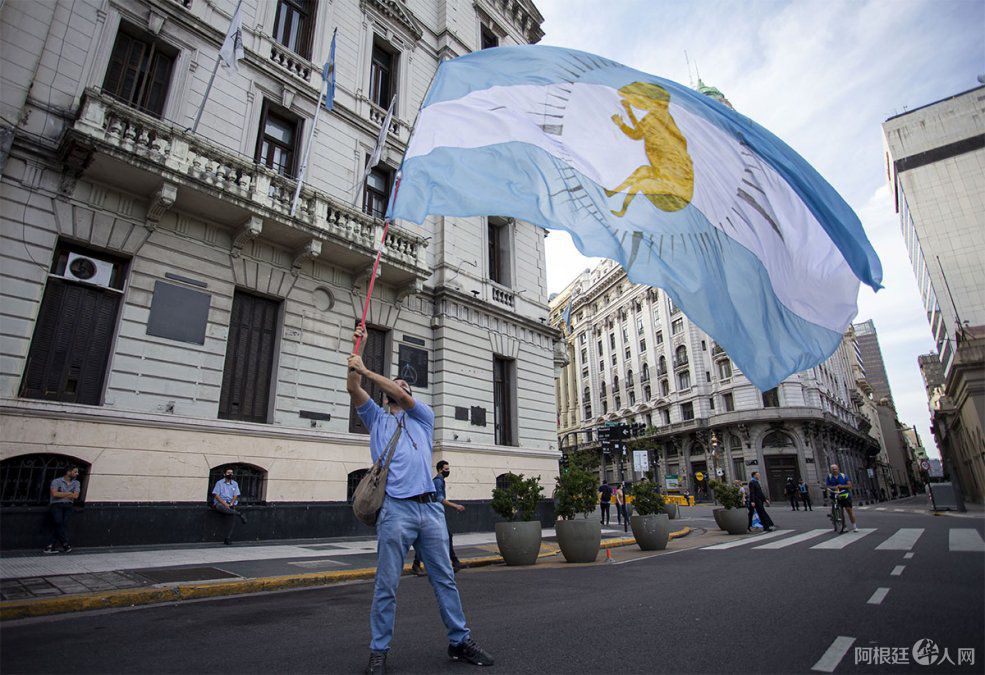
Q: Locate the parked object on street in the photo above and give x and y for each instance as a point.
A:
(519, 537)
(731, 517)
(651, 526)
(579, 539)
(672, 509)
(64, 492)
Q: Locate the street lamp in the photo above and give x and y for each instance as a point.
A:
(714, 453)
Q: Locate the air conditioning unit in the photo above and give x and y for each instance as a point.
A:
(89, 270)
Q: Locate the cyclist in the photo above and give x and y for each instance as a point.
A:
(839, 487)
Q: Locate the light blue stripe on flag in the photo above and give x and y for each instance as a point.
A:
(328, 74)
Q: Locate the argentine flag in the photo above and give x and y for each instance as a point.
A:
(686, 194)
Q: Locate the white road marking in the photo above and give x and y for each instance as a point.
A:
(836, 652)
(965, 539)
(647, 557)
(880, 508)
(900, 510)
(747, 540)
(790, 541)
(878, 596)
(907, 556)
(903, 540)
(843, 540)
(897, 571)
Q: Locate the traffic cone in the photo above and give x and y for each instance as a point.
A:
(608, 555)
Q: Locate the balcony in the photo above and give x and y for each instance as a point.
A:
(114, 144)
(680, 362)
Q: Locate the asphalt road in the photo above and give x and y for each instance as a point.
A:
(696, 610)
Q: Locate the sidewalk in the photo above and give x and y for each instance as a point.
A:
(33, 584)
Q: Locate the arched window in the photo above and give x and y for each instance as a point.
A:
(777, 439)
(602, 389)
(661, 365)
(645, 377)
(680, 356)
(664, 387)
(252, 481)
(25, 480)
(586, 395)
(647, 393)
(352, 482)
(629, 378)
(615, 384)
(503, 480)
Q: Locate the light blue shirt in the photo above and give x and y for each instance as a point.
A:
(410, 468)
(225, 490)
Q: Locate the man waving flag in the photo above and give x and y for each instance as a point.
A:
(685, 193)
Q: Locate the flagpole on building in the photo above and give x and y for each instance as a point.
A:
(307, 150)
(218, 60)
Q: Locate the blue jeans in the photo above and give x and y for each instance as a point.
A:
(403, 523)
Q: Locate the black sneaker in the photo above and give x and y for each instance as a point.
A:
(377, 663)
(456, 566)
(470, 652)
(66, 549)
(49, 550)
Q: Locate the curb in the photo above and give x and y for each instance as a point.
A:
(22, 609)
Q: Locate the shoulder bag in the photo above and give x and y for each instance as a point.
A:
(368, 498)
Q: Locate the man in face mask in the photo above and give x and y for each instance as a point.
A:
(444, 470)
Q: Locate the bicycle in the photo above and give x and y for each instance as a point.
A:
(837, 514)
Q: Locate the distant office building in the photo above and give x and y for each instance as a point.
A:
(875, 368)
(935, 163)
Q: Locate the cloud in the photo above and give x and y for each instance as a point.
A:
(821, 76)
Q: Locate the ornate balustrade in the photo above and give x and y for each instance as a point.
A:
(107, 126)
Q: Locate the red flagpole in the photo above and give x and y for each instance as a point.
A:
(376, 266)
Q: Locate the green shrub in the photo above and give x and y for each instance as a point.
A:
(576, 492)
(726, 494)
(647, 499)
(518, 500)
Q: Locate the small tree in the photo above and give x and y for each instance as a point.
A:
(576, 492)
(518, 500)
(727, 494)
(647, 500)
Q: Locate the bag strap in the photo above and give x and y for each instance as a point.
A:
(391, 447)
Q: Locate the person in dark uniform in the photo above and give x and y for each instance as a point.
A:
(605, 498)
(790, 490)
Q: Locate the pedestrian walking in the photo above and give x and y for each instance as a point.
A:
(621, 515)
(444, 470)
(759, 502)
(605, 498)
(805, 495)
(63, 492)
(410, 514)
(225, 498)
(790, 490)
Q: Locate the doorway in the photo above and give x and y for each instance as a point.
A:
(778, 469)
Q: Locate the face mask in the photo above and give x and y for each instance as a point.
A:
(446, 473)
(229, 477)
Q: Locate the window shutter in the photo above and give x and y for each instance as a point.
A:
(71, 343)
(374, 356)
(248, 369)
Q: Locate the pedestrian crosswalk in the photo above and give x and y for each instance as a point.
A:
(886, 539)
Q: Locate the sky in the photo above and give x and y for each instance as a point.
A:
(822, 75)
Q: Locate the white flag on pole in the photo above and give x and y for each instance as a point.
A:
(374, 159)
(232, 47)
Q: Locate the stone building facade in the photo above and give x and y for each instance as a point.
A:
(635, 358)
(165, 316)
(935, 165)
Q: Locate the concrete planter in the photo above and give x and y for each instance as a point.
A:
(672, 510)
(652, 532)
(734, 521)
(579, 539)
(519, 542)
(716, 513)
